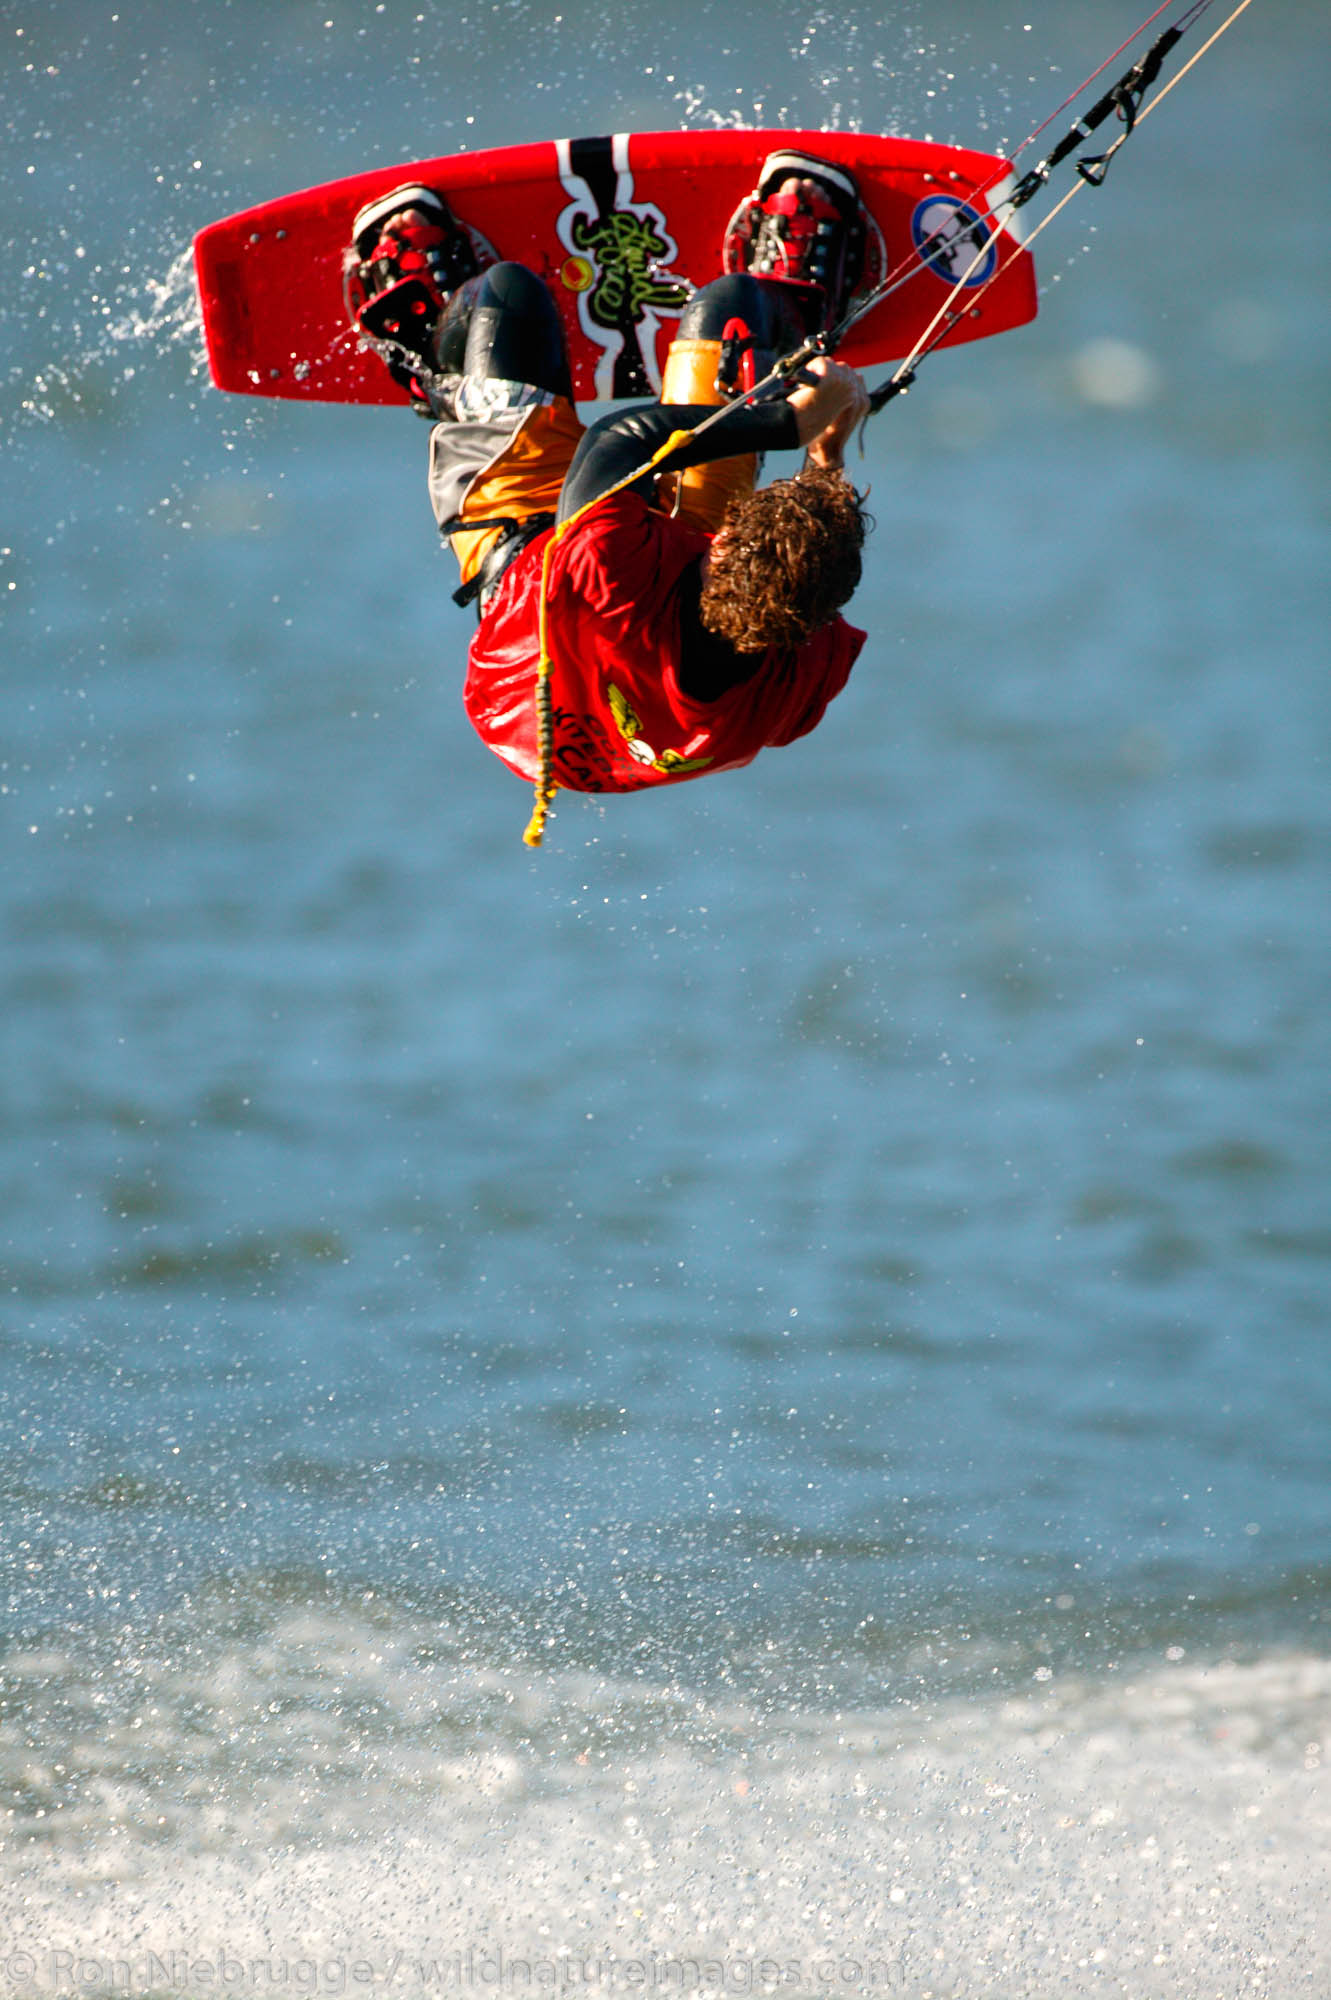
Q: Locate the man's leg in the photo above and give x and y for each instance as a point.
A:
(499, 383)
(793, 250)
(730, 334)
(502, 325)
(479, 347)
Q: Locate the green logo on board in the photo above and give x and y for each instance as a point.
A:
(626, 250)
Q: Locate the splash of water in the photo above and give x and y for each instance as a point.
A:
(166, 315)
(173, 313)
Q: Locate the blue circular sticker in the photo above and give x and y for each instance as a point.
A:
(954, 240)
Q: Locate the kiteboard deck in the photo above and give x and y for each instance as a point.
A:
(622, 229)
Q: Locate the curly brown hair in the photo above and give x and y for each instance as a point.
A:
(784, 561)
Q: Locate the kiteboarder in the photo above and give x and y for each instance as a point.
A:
(676, 619)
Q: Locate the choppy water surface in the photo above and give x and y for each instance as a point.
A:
(752, 1388)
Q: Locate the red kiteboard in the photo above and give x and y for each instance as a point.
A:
(622, 229)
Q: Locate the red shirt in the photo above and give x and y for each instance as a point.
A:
(621, 720)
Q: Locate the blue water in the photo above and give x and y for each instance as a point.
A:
(823, 1272)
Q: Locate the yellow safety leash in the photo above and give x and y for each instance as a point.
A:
(546, 787)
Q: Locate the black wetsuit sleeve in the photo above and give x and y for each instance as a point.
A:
(612, 448)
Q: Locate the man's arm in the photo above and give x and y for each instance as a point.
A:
(625, 441)
(820, 414)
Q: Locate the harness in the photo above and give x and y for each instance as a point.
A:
(503, 551)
